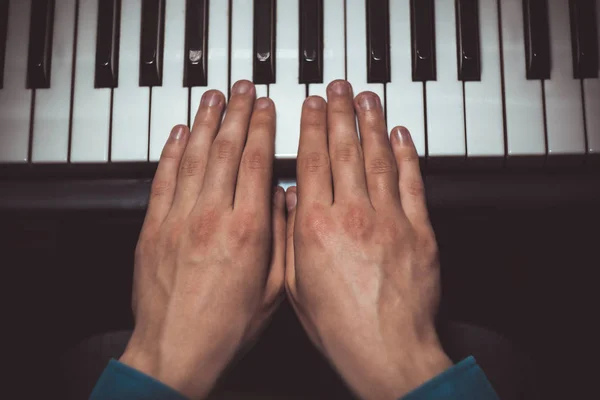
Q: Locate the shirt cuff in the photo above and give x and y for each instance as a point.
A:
(120, 381)
(465, 380)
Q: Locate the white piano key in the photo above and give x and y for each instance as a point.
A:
(218, 53)
(591, 95)
(356, 49)
(131, 103)
(445, 114)
(242, 36)
(91, 106)
(404, 97)
(483, 99)
(564, 108)
(53, 105)
(169, 104)
(523, 98)
(287, 94)
(15, 98)
(334, 48)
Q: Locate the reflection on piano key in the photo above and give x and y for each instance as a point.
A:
(523, 98)
(564, 108)
(378, 41)
(445, 113)
(311, 41)
(423, 40)
(537, 39)
(107, 44)
(131, 102)
(334, 48)
(15, 98)
(53, 106)
(91, 106)
(152, 46)
(218, 54)
(404, 97)
(39, 63)
(287, 93)
(264, 41)
(483, 99)
(196, 42)
(169, 103)
(591, 94)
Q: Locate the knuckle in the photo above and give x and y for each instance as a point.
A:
(347, 152)
(414, 188)
(409, 156)
(357, 222)
(313, 161)
(160, 188)
(380, 165)
(225, 150)
(255, 159)
(203, 226)
(191, 165)
(247, 228)
(314, 224)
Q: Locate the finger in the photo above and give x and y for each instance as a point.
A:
(291, 200)
(256, 170)
(380, 165)
(275, 279)
(226, 150)
(313, 168)
(165, 178)
(347, 165)
(412, 192)
(194, 161)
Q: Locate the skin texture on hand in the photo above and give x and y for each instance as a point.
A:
(362, 269)
(209, 264)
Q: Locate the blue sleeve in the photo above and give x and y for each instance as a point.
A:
(119, 381)
(465, 380)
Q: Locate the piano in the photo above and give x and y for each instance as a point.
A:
(502, 97)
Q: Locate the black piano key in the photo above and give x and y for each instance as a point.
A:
(153, 36)
(3, 30)
(311, 41)
(264, 41)
(196, 43)
(467, 40)
(422, 24)
(41, 30)
(537, 39)
(378, 41)
(584, 38)
(107, 44)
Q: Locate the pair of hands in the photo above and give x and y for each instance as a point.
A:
(356, 255)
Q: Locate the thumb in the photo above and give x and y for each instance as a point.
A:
(275, 279)
(291, 199)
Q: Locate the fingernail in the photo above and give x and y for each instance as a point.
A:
(315, 102)
(242, 87)
(291, 199)
(340, 87)
(211, 99)
(262, 103)
(403, 136)
(278, 197)
(177, 132)
(368, 101)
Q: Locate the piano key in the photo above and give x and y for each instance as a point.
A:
(525, 133)
(3, 28)
(584, 37)
(152, 46)
(378, 41)
(40, 44)
(91, 106)
(467, 19)
(169, 103)
(196, 43)
(107, 44)
(218, 54)
(264, 41)
(53, 106)
(423, 40)
(591, 95)
(334, 47)
(287, 94)
(311, 41)
(404, 98)
(15, 98)
(131, 102)
(445, 113)
(242, 43)
(564, 108)
(537, 39)
(356, 49)
(483, 98)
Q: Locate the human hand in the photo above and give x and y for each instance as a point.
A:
(362, 271)
(209, 264)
